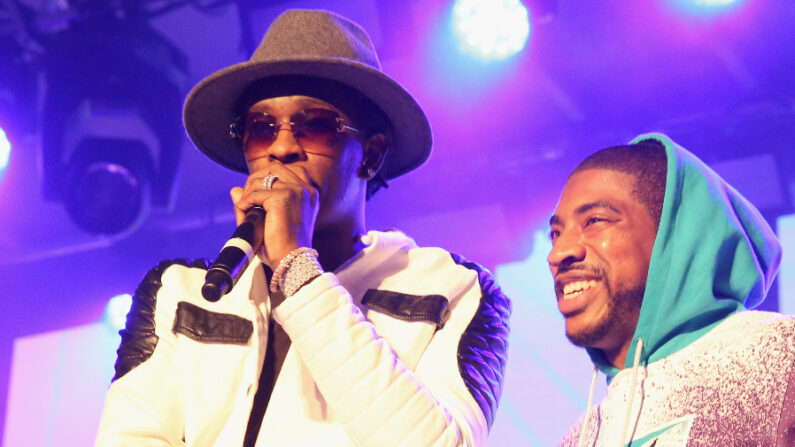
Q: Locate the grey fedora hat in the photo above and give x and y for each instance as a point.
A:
(307, 43)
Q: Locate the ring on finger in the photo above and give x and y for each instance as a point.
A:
(268, 181)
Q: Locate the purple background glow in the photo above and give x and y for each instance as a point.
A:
(506, 135)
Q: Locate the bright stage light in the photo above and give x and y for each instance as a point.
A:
(5, 150)
(117, 310)
(714, 2)
(491, 29)
(706, 7)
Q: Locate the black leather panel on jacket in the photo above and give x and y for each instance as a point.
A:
(138, 338)
(211, 327)
(483, 349)
(433, 308)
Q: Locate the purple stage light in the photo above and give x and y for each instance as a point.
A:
(491, 29)
(5, 150)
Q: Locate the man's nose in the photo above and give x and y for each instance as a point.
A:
(285, 147)
(566, 248)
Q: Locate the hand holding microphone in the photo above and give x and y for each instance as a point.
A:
(238, 251)
(291, 203)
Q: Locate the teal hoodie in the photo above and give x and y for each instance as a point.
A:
(714, 255)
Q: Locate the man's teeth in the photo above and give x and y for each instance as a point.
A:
(575, 288)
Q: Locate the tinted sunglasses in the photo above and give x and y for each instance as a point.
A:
(313, 129)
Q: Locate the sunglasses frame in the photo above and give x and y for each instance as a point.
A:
(237, 129)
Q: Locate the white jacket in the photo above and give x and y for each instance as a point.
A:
(399, 370)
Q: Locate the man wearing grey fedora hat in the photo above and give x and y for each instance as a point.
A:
(333, 335)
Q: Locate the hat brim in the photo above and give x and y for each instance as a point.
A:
(211, 107)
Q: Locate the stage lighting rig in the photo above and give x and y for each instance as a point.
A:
(109, 112)
(108, 116)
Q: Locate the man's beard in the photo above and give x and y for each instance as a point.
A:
(623, 308)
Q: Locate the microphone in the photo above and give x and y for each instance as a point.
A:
(234, 256)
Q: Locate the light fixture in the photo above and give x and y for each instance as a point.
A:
(110, 124)
(491, 29)
(116, 311)
(108, 184)
(706, 8)
(5, 150)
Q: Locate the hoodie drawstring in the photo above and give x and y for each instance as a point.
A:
(638, 349)
(588, 408)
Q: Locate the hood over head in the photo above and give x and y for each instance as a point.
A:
(714, 255)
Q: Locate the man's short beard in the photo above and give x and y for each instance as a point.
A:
(622, 307)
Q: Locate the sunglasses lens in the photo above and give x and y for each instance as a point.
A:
(260, 128)
(316, 127)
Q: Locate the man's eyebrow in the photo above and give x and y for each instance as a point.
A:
(303, 103)
(584, 208)
(309, 102)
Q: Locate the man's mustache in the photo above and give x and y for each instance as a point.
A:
(596, 271)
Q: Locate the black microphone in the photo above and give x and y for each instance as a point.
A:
(234, 256)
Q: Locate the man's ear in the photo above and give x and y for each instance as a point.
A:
(375, 148)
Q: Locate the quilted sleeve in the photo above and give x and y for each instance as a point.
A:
(483, 349)
(143, 401)
(450, 397)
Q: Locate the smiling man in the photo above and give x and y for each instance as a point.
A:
(655, 260)
(335, 336)
(601, 299)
